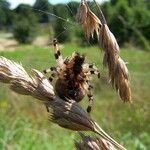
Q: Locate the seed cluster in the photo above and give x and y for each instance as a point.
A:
(118, 72)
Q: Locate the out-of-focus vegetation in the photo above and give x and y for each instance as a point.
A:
(129, 20)
(25, 23)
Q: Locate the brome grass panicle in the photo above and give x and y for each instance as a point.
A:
(90, 143)
(20, 82)
(69, 114)
(88, 20)
(118, 72)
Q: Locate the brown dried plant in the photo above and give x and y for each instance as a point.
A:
(88, 20)
(90, 143)
(67, 114)
(20, 82)
(118, 72)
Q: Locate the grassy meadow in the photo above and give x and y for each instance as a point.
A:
(24, 121)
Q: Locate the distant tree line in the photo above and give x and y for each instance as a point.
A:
(129, 20)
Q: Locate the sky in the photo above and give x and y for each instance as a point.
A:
(15, 3)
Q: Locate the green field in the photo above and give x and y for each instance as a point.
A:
(24, 122)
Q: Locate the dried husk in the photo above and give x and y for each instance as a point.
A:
(88, 20)
(82, 13)
(120, 80)
(20, 82)
(107, 41)
(118, 71)
(70, 115)
(90, 143)
(10, 70)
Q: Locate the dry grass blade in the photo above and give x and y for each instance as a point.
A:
(88, 20)
(70, 115)
(22, 83)
(90, 143)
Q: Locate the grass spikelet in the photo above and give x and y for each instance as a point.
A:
(10, 70)
(120, 80)
(82, 13)
(107, 39)
(118, 71)
(22, 83)
(88, 20)
(90, 143)
(68, 114)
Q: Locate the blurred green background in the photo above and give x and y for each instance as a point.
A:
(26, 33)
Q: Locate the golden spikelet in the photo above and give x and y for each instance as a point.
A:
(118, 71)
(82, 13)
(121, 80)
(107, 40)
(10, 70)
(88, 20)
(90, 143)
(20, 82)
(69, 114)
(125, 91)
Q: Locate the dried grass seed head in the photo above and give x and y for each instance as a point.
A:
(121, 80)
(70, 115)
(82, 12)
(20, 82)
(118, 71)
(10, 70)
(107, 40)
(90, 143)
(88, 20)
